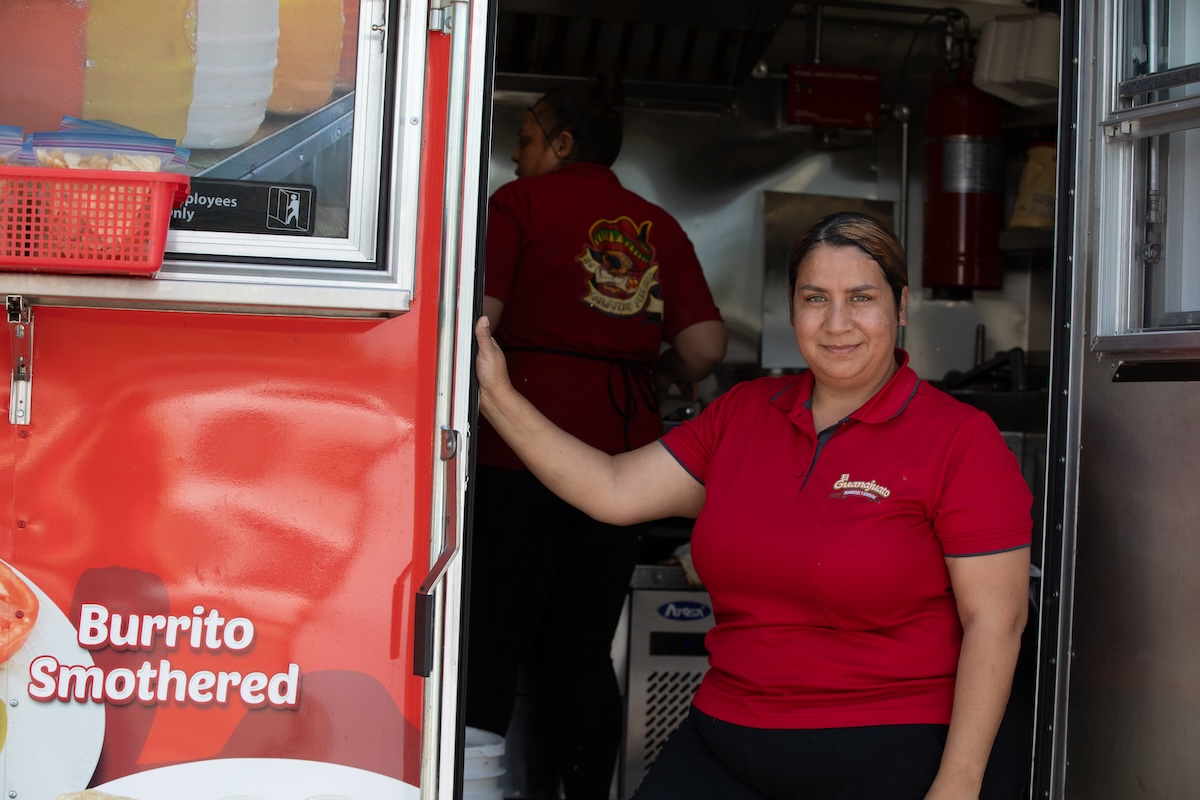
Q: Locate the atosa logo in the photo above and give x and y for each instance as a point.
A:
(684, 610)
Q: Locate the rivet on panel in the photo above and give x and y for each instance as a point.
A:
(23, 434)
(20, 523)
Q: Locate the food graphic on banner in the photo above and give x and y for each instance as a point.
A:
(58, 692)
(18, 612)
(259, 779)
(33, 627)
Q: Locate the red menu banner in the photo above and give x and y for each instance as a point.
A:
(212, 559)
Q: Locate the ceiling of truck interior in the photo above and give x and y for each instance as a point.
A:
(681, 54)
(668, 53)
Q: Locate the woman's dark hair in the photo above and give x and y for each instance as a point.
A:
(590, 111)
(851, 229)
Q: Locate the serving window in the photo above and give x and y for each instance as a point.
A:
(284, 111)
(301, 171)
(1148, 239)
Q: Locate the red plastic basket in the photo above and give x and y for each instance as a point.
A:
(86, 221)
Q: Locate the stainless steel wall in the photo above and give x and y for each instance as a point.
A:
(1134, 720)
(711, 171)
(1126, 716)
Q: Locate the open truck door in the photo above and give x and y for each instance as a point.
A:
(236, 482)
(1117, 699)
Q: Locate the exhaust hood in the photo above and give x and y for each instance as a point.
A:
(677, 54)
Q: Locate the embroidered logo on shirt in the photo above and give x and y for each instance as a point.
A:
(844, 487)
(624, 273)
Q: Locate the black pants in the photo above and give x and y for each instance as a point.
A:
(706, 758)
(547, 584)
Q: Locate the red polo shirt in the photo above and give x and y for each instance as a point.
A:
(824, 556)
(594, 279)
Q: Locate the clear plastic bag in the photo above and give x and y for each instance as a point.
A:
(102, 150)
(11, 138)
(178, 162)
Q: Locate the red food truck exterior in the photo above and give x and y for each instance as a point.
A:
(236, 481)
(235, 490)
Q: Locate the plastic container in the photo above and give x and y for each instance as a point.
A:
(236, 46)
(41, 61)
(1034, 206)
(483, 754)
(348, 63)
(86, 221)
(310, 49)
(141, 63)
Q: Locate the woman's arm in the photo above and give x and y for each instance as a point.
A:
(692, 357)
(992, 593)
(645, 484)
(493, 309)
(695, 352)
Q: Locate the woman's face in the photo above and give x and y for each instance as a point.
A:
(534, 155)
(845, 318)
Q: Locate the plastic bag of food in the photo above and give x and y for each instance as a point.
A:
(178, 162)
(26, 157)
(11, 138)
(95, 217)
(102, 150)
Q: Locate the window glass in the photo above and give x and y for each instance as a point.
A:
(1172, 269)
(288, 121)
(1158, 88)
(261, 94)
(1160, 35)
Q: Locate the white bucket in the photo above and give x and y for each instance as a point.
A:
(476, 793)
(483, 753)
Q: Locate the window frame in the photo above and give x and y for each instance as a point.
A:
(1122, 133)
(369, 274)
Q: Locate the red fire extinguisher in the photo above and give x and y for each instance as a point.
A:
(964, 186)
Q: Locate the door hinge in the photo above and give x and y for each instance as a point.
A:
(441, 15)
(441, 20)
(20, 334)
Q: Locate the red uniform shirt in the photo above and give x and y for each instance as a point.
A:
(825, 559)
(593, 279)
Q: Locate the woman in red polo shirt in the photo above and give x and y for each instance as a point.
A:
(584, 282)
(864, 538)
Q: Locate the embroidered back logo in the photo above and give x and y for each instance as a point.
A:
(624, 273)
(844, 487)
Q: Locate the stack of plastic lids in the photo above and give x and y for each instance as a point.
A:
(483, 753)
(1018, 59)
(236, 45)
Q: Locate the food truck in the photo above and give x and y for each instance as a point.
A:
(240, 413)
